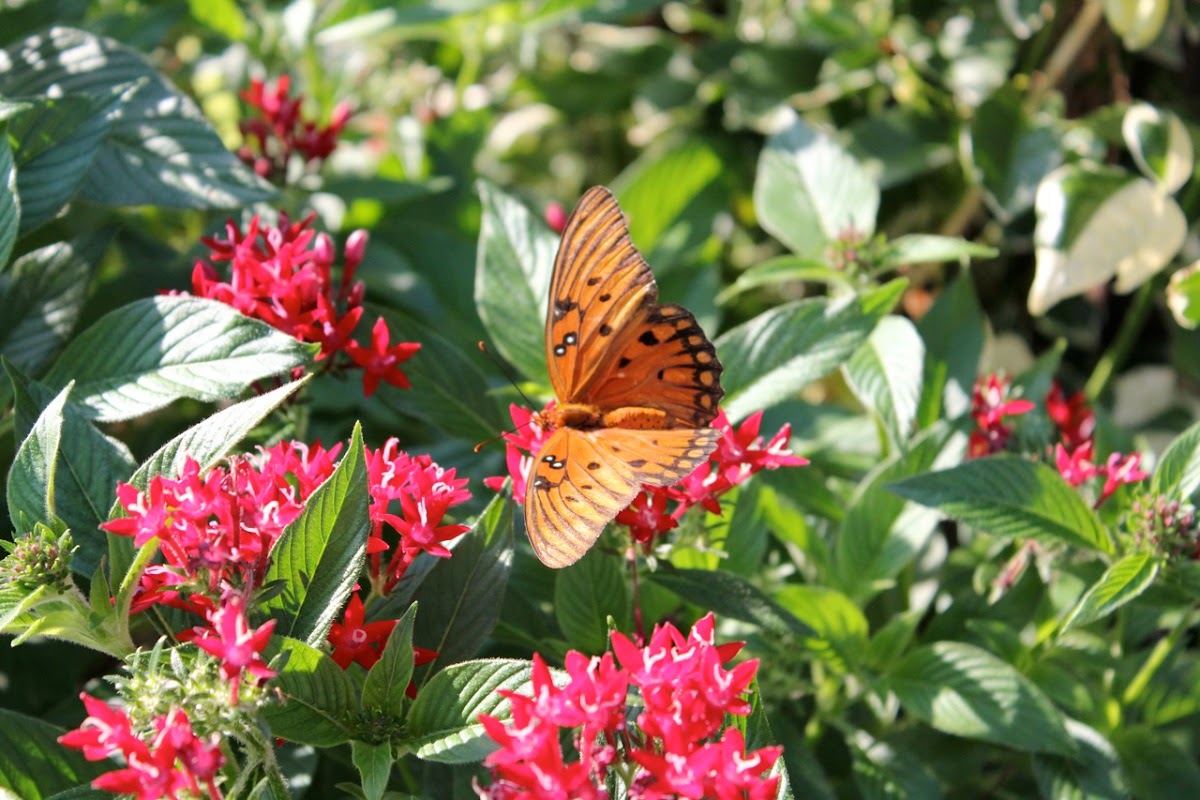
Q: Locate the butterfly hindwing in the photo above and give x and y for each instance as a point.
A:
(581, 479)
(667, 363)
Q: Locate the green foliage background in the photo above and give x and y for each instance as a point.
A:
(854, 200)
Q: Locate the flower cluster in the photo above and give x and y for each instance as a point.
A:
(283, 275)
(740, 453)
(422, 493)
(356, 641)
(1167, 525)
(1071, 415)
(39, 558)
(1076, 424)
(676, 749)
(280, 132)
(232, 641)
(216, 529)
(170, 762)
(990, 404)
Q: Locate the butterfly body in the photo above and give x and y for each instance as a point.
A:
(638, 384)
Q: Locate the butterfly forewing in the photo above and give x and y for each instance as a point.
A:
(600, 290)
(581, 479)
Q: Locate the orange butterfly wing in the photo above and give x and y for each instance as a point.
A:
(581, 479)
(608, 342)
(610, 347)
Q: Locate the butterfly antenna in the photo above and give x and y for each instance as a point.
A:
(500, 365)
(507, 374)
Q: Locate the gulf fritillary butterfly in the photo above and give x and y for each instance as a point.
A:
(637, 385)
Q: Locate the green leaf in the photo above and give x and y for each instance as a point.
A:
(40, 300)
(448, 389)
(1093, 772)
(221, 16)
(782, 350)
(159, 148)
(10, 203)
(892, 640)
(963, 690)
(374, 764)
(317, 697)
(1183, 295)
(1011, 497)
(783, 269)
(57, 139)
(585, 595)
(881, 533)
(840, 629)
(1160, 145)
(88, 467)
(386, 683)
(319, 556)
(1009, 152)
(461, 598)
(1178, 472)
(953, 331)
(210, 440)
(734, 540)
(33, 764)
(443, 724)
(30, 491)
(512, 283)
(809, 191)
(146, 354)
(1137, 23)
(900, 143)
(882, 772)
(1095, 223)
(886, 374)
(919, 248)
(663, 197)
(758, 734)
(384, 189)
(1155, 765)
(1119, 584)
(728, 595)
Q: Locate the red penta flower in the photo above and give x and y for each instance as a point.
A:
(989, 406)
(357, 641)
(382, 360)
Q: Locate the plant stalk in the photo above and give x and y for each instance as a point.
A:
(1118, 351)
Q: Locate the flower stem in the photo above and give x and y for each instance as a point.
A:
(1157, 658)
(1118, 351)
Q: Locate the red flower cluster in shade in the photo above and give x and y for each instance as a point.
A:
(989, 406)
(283, 275)
(174, 763)
(1074, 418)
(280, 132)
(356, 641)
(216, 529)
(675, 750)
(1076, 423)
(740, 453)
